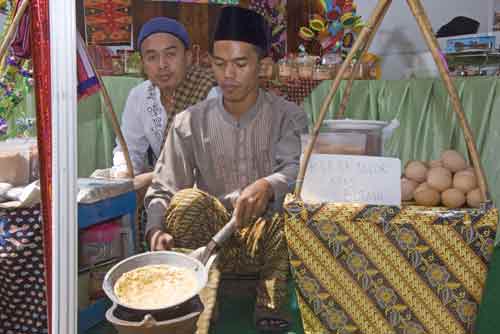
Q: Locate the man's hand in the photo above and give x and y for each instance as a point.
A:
(161, 241)
(253, 201)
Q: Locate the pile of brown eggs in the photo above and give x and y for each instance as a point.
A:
(449, 181)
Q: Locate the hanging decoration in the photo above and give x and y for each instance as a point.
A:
(15, 83)
(108, 22)
(275, 13)
(334, 25)
(216, 2)
(40, 47)
(15, 71)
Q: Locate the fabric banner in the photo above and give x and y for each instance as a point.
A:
(88, 83)
(108, 22)
(275, 13)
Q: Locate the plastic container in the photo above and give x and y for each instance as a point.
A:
(18, 161)
(323, 72)
(100, 243)
(337, 143)
(352, 137)
(305, 65)
(285, 69)
(266, 69)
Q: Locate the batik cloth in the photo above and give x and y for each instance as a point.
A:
(193, 217)
(23, 303)
(378, 269)
(108, 22)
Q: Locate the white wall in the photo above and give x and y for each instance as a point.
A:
(399, 41)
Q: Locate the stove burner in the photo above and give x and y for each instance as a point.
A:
(192, 305)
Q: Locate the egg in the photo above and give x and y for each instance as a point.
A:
(416, 171)
(439, 178)
(422, 186)
(427, 196)
(435, 163)
(453, 160)
(474, 198)
(469, 170)
(453, 198)
(407, 189)
(464, 181)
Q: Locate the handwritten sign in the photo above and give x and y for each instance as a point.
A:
(353, 179)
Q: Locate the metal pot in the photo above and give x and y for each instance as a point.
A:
(156, 258)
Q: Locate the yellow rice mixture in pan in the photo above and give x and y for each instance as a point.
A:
(155, 286)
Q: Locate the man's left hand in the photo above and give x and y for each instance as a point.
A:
(253, 201)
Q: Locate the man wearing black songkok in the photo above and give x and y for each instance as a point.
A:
(241, 150)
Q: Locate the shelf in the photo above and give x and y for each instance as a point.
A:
(123, 206)
(90, 214)
(477, 58)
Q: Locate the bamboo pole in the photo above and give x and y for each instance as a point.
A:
(377, 14)
(348, 88)
(114, 121)
(12, 28)
(425, 27)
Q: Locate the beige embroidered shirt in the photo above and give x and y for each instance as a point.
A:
(210, 149)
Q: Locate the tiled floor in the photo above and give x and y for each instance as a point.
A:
(235, 315)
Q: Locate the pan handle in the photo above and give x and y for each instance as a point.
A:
(217, 240)
(226, 232)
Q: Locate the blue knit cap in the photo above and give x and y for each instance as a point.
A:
(163, 24)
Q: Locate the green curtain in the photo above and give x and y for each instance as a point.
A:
(428, 124)
(96, 138)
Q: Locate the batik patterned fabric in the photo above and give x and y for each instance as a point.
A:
(376, 269)
(22, 282)
(108, 22)
(275, 13)
(193, 217)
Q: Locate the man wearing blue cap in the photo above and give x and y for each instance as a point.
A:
(173, 85)
(237, 154)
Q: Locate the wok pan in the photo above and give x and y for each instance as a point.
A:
(198, 262)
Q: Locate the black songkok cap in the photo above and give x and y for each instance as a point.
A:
(243, 25)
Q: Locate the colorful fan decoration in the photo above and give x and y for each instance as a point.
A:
(334, 26)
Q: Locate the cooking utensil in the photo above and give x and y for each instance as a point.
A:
(204, 253)
(198, 262)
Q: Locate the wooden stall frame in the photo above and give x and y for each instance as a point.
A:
(362, 44)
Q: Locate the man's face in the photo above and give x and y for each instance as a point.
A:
(236, 69)
(165, 60)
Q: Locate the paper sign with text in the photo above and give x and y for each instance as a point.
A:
(353, 179)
